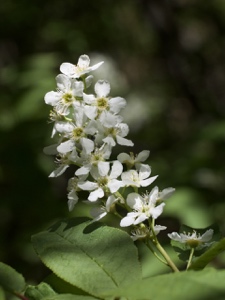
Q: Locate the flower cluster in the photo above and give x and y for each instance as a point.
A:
(88, 127)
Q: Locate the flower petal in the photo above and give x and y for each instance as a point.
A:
(102, 88)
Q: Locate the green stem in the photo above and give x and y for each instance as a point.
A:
(190, 258)
(166, 256)
(155, 241)
(156, 255)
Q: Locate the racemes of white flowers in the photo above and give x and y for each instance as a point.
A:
(88, 127)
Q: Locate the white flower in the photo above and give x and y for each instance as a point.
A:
(92, 160)
(163, 195)
(75, 132)
(143, 208)
(112, 131)
(131, 160)
(138, 179)
(100, 212)
(193, 240)
(96, 105)
(82, 67)
(69, 93)
(105, 181)
(145, 232)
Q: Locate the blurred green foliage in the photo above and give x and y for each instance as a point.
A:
(165, 57)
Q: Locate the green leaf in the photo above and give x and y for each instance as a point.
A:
(61, 286)
(2, 294)
(90, 256)
(209, 255)
(207, 284)
(10, 279)
(72, 297)
(39, 292)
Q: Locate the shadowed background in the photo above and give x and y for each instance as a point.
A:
(166, 58)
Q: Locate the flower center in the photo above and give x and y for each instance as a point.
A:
(103, 181)
(68, 98)
(78, 133)
(102, 103)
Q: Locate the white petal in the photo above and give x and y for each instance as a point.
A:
(73, 199)
(123, 157)
(103, 168)
(207, 236)
(135, 201)
(127, 221)
(111, 199)
(83, 61)
(142, 217)
(124, 129)
(153, 196)
(63, 82)
(87, 185)
(125, 142)
(52, 98)
(158, 228)
(65, 147)
(64, 127)
(90, 111)
(59, 171)
(166, 193)
(83, 170)
(95, 195)
(96, 66)
(87, 145)
(68, 69)
(155, 212)
(102, 88)
(143, 155)
(175, 236)
(148, 181)
(116, 104)
(144, 171)
(116, 170)
(110, 141)
(114, 185)
(88, 81)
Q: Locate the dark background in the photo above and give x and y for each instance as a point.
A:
(165, 57)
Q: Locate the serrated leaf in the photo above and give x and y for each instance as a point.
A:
(39, 292)
(61, 286)
(10, 279)
(208, 256)
(93, 257)
(72, 297)
(206, 284)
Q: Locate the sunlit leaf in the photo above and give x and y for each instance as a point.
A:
(90, 256)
